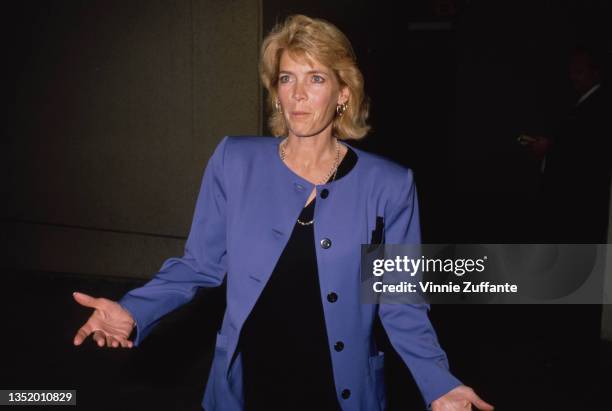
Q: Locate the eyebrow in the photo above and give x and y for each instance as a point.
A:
(308, 72)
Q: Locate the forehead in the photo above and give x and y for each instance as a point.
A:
(304, 63)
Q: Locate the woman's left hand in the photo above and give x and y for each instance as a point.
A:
(460, 398)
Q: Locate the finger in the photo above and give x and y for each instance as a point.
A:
(82, 334)
(128, 343)
(112, 342)
(109, 340)
(99, 338)
(115, 343)
(86, 300)
(480, 403)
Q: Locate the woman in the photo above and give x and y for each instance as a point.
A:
(285, 219)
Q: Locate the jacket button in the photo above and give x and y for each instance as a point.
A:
(324, 193)
(339, 346)
(326, 243)
(346, 393)
(332, 297)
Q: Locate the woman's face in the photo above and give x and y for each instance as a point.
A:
(308, 96)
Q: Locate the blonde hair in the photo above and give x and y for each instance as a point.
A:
(317, 39)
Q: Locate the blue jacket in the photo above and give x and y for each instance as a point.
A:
(246, 209)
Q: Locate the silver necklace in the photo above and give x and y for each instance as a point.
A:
(332, 172)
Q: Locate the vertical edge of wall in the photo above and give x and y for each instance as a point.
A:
(130, 233)
(606, 317)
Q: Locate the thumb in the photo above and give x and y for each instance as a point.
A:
(480, 403)
(86, 300)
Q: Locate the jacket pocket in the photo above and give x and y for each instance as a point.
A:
(378, 234)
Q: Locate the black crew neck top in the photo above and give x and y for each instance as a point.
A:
(285, 354)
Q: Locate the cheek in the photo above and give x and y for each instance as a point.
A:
(323, 104)
(282, 95)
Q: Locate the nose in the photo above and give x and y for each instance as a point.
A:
(299, 93)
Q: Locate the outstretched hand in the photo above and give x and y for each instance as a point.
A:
(460, 398)
(110, 323)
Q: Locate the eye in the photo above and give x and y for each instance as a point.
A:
(318, 79)
(283, 78)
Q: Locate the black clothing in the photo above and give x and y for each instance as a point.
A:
(285, 355)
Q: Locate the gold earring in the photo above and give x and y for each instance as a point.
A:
(341, 108)
(278, 106)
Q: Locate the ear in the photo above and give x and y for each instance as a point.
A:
(344, 94)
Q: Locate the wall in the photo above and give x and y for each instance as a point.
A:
(118, 107)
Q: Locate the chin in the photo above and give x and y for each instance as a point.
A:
(302, 133)
(307, 132)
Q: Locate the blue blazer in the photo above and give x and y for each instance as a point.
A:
(246, 209)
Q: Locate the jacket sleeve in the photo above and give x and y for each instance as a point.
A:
(203, 263)
(407, 325)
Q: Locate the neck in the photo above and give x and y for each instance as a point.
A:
(308, 153)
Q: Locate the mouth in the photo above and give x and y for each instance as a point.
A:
(299, 114)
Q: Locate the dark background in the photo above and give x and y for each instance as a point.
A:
(452, 85)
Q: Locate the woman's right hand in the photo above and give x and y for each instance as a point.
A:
(110, 323)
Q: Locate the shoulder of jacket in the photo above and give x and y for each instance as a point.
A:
(384, 170)
(241, 152)
(234, 146)
(242, 147)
